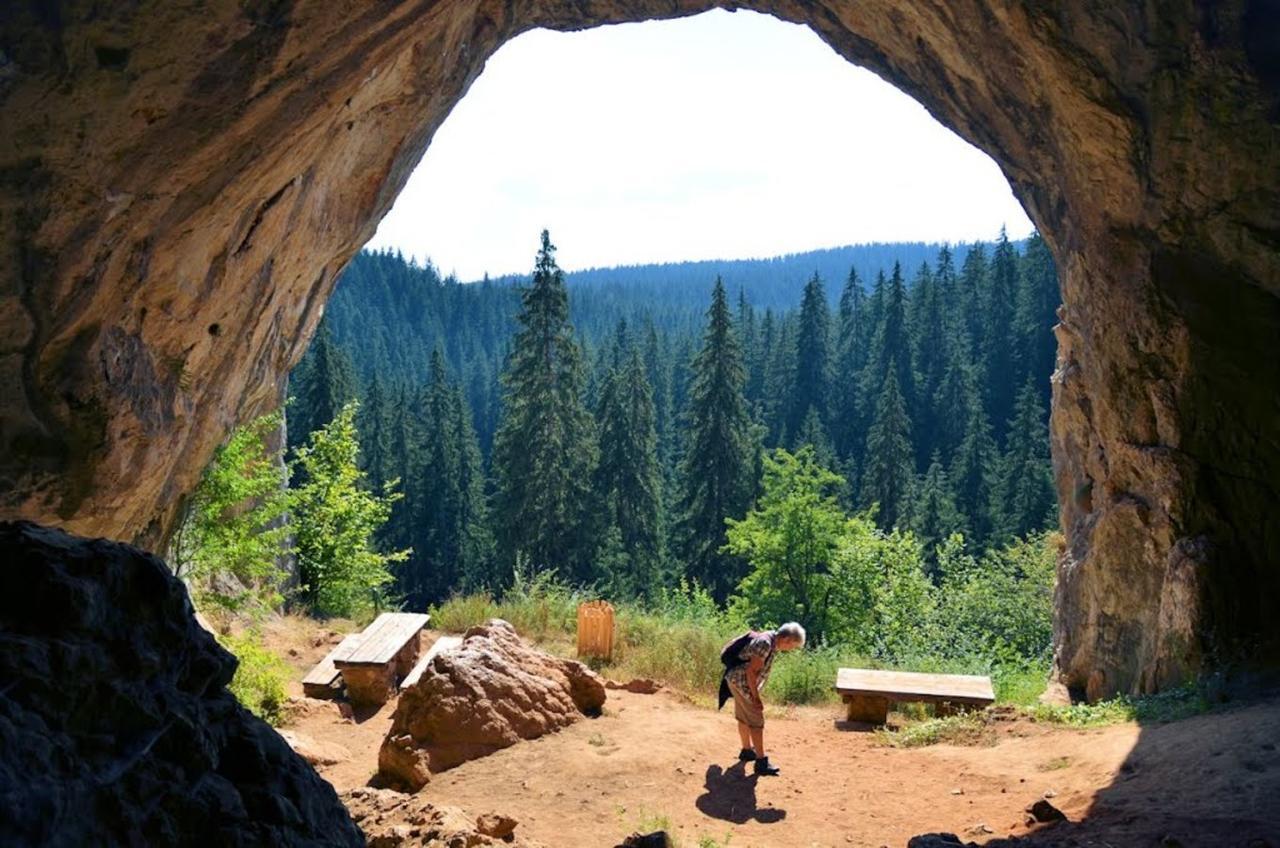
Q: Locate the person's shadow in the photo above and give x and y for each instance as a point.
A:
(731, 797)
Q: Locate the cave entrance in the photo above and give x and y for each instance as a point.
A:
(687, 142)
(177, 218)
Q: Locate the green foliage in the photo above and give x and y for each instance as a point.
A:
(260, 678)
(790, 540)
(1172, 705)
(1001, 605)
(896, 395)
(231, 544)
(342, 572)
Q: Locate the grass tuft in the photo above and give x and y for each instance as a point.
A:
(965, 729)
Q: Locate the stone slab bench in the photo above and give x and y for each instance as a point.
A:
(386, 652)
(444, 643)
(868, 693)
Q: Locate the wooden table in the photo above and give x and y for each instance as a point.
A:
(319, 682)
(386, 652)
(868, 692)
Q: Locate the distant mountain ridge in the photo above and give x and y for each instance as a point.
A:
(769, 283)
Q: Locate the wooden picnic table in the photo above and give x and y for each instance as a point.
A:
(869, 692)
(319, 682)
(385, 652)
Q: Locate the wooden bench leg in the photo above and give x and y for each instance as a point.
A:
(869, 709)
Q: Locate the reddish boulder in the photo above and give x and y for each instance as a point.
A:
(485, 695)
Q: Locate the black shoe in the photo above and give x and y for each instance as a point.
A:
(764, 769)
(746, 755)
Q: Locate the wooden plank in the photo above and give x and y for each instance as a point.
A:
(444, 643)
(915, 686)
(325, 673)
(384, 639)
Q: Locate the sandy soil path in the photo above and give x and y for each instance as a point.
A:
(1212, 780)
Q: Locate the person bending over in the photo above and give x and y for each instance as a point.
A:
(748, 660)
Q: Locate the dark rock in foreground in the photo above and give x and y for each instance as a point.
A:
(116, 726)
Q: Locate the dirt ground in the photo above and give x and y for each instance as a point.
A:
(1210, 780)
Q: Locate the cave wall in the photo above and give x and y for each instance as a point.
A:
(180, 187)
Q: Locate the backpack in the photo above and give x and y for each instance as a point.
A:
(730, 653)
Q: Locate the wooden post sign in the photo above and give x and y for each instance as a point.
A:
(595, 629)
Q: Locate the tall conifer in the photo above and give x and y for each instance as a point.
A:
(717, 462)
(889, 470)
(544, 450)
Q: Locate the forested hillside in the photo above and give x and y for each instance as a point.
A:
(607, 424)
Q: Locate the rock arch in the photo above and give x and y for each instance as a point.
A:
(180, 191)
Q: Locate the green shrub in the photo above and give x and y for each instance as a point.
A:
(463, 611)
(259, 681)
(1167, 706)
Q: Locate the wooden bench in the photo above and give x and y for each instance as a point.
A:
(869, 693)
(386, 652)
(319, 682)
(444, 643)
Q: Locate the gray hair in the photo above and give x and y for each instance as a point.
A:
(792, 630)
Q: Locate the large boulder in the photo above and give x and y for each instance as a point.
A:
(116, 726)
(487, 694)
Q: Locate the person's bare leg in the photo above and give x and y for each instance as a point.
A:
(744, 734)
(757, 741)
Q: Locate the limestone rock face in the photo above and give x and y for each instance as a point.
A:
(180, 186)
(485, 695)
(116, 727)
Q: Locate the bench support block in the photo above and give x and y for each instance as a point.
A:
(869, 709)
(369, 685)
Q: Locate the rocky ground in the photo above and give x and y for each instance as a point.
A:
(656, 759)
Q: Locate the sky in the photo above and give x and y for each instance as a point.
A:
(725, 135)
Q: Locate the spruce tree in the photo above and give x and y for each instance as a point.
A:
(934, 516)
(437, 532)
(973, 470)
(813, 433)
(544, 450)
(628, 480)
(889, 470)
(374, 425)
(719, 456)
(998, 339)
(1025, 500)
(892, 346)
(812, 362)
(779, 383)
(929, 353)
(326, 383)
(970, 291)
(847, 404)
(1035, 313)
(475, 547)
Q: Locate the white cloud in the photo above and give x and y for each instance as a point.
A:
(723, 135)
